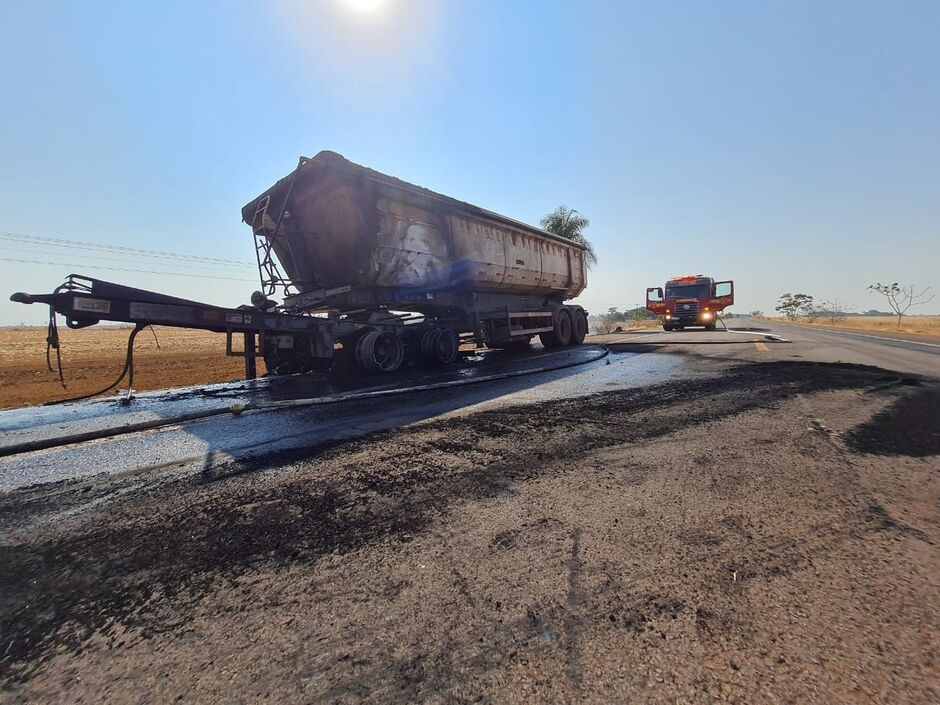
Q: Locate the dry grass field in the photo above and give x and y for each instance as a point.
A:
(93, 357)
(924, 325)
(632, 324)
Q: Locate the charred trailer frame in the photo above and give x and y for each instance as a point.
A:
(378, 343)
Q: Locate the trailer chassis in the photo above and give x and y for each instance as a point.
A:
(292, 340)
(85, 301)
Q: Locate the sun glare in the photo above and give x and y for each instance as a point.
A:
(365, 7)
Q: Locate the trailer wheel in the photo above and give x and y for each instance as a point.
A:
(382, 351)
(438, 345)
(561, 335)
(579, 327)
(447, 346)
(427, 343)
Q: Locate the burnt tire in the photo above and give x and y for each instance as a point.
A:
(560, 335)
(380, 351)
(579, 327)
(447, 347)
(427, 343)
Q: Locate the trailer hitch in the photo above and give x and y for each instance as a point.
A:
(21, 297)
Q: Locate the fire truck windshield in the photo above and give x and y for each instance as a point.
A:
(696, 291)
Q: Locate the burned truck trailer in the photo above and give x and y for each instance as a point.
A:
(346, 241)
(361, 265)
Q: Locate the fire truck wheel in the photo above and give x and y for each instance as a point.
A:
(667, 327)
(710, 326)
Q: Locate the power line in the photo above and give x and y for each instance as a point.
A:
(126, 269)
(36, 251)
(60, 242)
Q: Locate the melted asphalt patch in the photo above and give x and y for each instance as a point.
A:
(909, 426)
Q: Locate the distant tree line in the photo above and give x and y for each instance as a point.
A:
(804, 306)
(899, 298)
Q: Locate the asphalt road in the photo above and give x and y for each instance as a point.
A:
(914, 354)
(907, 354)
(637, 359)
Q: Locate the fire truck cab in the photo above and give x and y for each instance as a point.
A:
(693, 300)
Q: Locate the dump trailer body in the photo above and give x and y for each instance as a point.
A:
(337, 227)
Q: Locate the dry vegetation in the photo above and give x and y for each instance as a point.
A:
(93, 357)
(924, 325)
(602, 328)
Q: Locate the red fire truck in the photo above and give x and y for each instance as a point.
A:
(693, 300)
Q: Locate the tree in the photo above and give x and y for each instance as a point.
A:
(568, 223)
(834, 310)
(793, 305)
(610, 320)
(901, 298)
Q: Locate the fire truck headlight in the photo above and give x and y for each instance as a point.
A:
(706, 316)
(668, 317)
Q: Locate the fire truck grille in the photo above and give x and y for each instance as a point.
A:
(689, 310)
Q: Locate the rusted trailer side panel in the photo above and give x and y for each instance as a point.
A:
(346, 225)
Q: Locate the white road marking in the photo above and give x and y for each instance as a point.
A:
(778, 338)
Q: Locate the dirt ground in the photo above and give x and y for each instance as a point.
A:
(93, 357)
(766, 536)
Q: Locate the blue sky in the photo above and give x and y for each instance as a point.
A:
(791, 146)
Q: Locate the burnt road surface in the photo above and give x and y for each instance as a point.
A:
(743, 516)
(199, 445)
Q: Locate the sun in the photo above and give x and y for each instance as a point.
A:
(365, 7)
